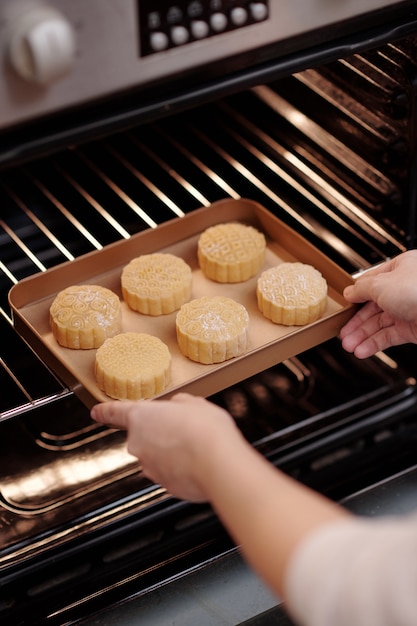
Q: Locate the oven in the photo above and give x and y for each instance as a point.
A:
(117, 117)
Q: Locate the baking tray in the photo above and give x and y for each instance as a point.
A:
(270, 343)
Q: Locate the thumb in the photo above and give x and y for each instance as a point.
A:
(113, 414)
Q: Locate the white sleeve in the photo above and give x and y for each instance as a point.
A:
(357, 571)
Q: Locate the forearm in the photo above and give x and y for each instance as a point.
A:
(266, 512)
(361, 571)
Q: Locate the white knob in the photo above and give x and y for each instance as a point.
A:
(199, 29)
(259, 11)
(42, 45)
(159, 41)
(238, 15)
(218, 21)
(179, 35)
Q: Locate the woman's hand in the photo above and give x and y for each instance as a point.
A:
(389, 317)
(173, 439)
(195, 450)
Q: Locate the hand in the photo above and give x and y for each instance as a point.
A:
(389, 317)
(195, 450)
(171, 438)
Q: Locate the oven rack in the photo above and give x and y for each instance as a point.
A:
(346, 196)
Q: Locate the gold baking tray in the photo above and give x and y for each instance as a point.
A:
(270, 343)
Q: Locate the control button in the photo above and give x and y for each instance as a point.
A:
(174, 15)
(195, 9)
(179, 35)
(199, 29)
(216, 5)
(218, 22)
(154, 20)
(42, 45)
(158, 41)
(239, 16)
(259, 11)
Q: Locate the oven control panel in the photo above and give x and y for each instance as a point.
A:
(57, 54)
(169, 24)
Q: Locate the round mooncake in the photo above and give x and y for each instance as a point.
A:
(293, 294)
(231, 252)
(156, 284)
(212, 330)
(132, 366)
(84, 316)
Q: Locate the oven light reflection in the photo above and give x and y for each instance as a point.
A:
(66, 478)
(297, 119)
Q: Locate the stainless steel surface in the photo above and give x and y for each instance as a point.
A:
(57, 54)
(225, 592)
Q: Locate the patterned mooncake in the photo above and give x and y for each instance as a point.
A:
(293, 294)
(132, 366)
(231, 252)
(84, 316)
(212, 330)
(156, 284)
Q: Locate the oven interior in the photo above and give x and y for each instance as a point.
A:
(330, 150)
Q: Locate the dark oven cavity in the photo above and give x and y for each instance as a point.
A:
(329, 150)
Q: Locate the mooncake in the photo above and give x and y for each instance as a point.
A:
(231, 252)
(293, 294)
(132, 366)
(212, 329)
(156, 284)
(84, 316)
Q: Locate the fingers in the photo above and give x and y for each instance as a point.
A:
(363, 290)
(362, 349)
(186, 398)
(119, 413)
(114, 414)
(369, 333)
(369, 285)
(368, 311)
(382, 340)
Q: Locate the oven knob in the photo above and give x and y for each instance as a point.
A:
(179, 35)
(259, 11)
(159, 41)
(199, 29)
(42, 45)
